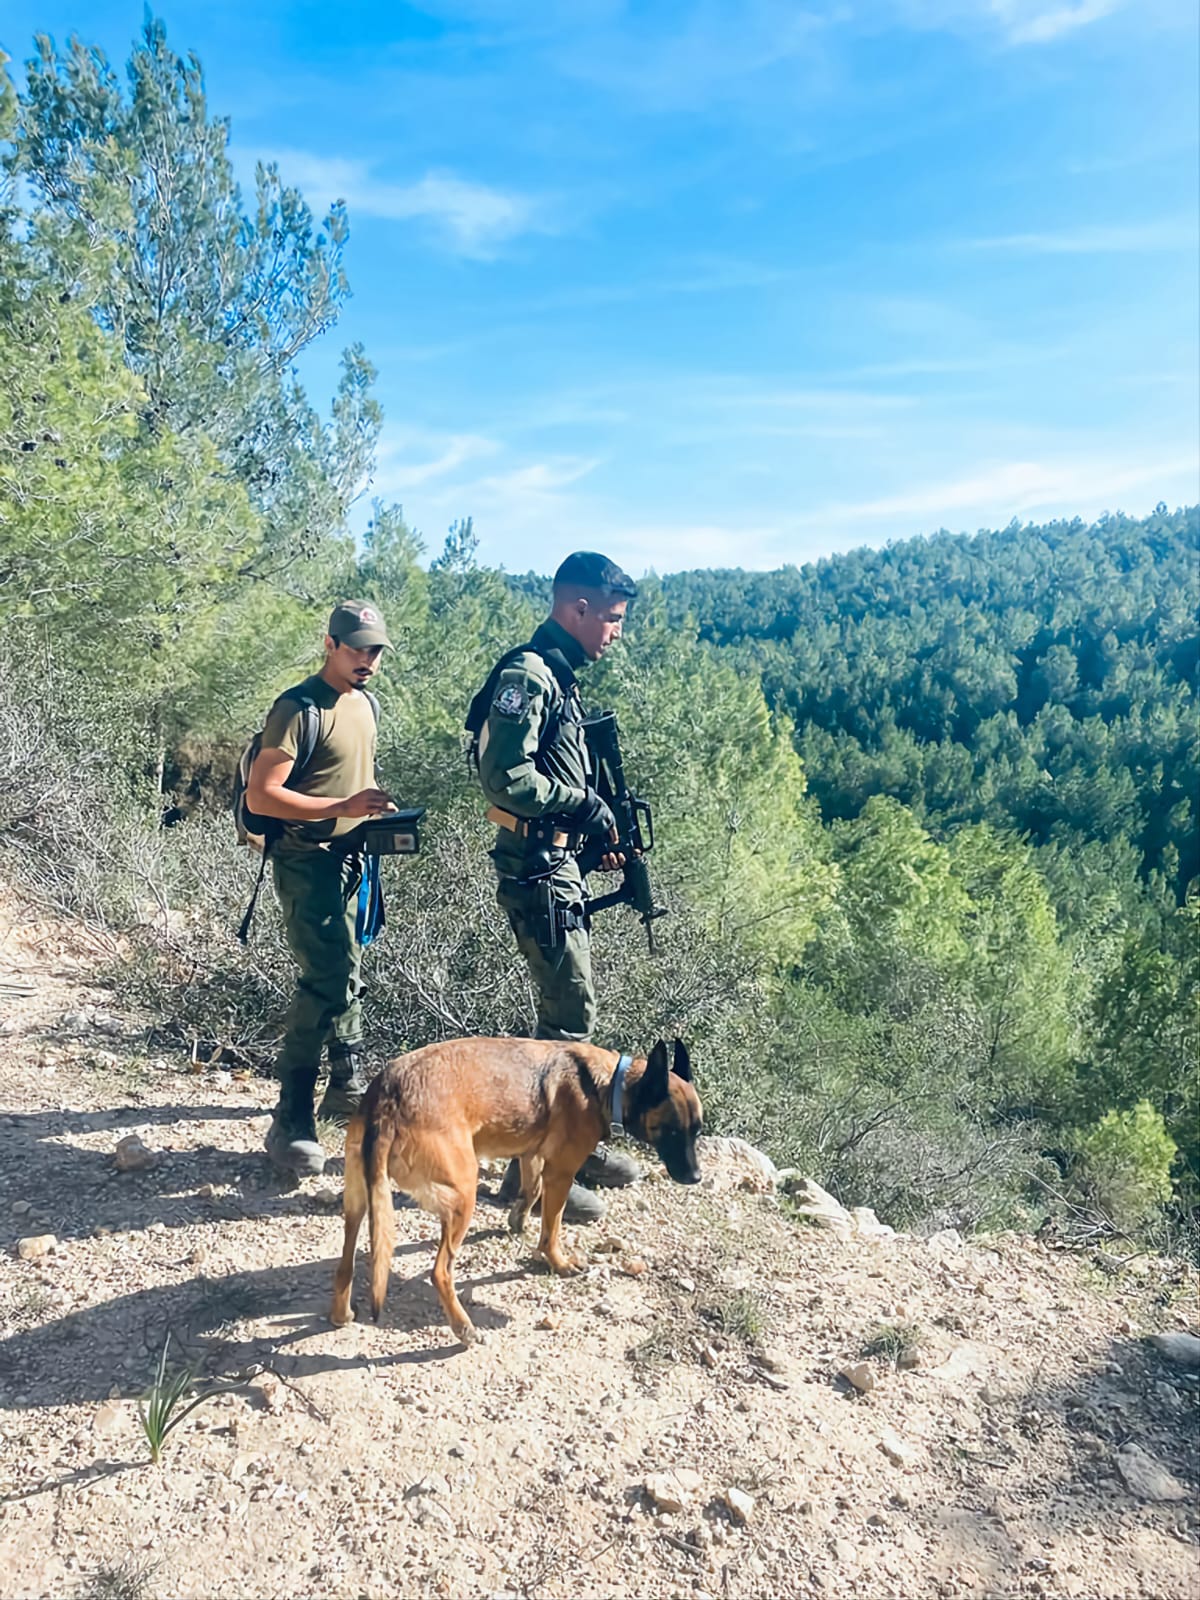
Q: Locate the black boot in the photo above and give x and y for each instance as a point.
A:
(606, 1168)
(582, 1205)
(292, 1143)
(346, 1087)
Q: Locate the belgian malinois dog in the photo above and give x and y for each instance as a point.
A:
(429, 1116)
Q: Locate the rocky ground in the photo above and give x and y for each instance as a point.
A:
(675, 1424)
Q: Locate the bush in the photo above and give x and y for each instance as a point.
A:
(1125, 1165)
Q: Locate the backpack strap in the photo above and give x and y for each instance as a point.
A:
(561, 671)
(306, 745)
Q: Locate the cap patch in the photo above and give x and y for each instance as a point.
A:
(368, 614)
(512, 701)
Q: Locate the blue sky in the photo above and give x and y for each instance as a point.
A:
(708, 284)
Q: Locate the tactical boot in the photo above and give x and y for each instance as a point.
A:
(346, 1087)
(510, 1184)
(582, 1205)
(608, 1169)
(292, 1143)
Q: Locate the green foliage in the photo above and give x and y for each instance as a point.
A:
(1042, 679)
(1125, 1160)
(166, 1404)
(924, 816)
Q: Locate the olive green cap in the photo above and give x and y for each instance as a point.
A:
(359, 624)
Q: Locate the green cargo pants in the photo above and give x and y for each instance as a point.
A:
(561, 973)
(318, 895)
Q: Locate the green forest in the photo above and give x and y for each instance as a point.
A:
(925, 816)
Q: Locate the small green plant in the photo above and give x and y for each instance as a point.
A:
(738, 1314)
(165, 1404)
(128, 1580)
(894, 1340)
(660, 1347)
(1125, 1164)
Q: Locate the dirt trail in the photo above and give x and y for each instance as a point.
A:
(699, 1355)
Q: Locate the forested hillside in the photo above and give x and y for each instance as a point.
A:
(1041, 679)
(924, 815)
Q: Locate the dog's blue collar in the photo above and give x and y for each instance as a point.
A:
(616, 1122)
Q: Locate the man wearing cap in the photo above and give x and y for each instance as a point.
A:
(318, 883)
(535, 772)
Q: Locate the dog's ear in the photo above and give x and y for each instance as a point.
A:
(652, 1087)
(681, 1066)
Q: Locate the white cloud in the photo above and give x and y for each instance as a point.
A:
(411, 458)
(995, 494)
(1032, 25)
(1172, 233)
(1020, 21)
(471, 218)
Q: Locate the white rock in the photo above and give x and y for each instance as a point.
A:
(896, 1450)
(671, 1491)
(35, 1246)
(726, 1162)
(868, 1226)
(819, 1207)
(741, 1504)
(1146, 1478)
(1181, 1348)
(945, 1239)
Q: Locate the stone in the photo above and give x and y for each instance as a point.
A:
(107, 1417)
(945, 1239)
(688, 1285)
(731, 1163)
(36, 1245)
(859, 1376)
(21, 1208)
(328, 1199)
(1181, 1348)
(634, 1267)
(1146, 1478)
(817, 1205)
(740, 1504)
(550, 1322)
(868, 1226)
(671, 1491)
(896, 1450)
(431, 1483)
(131, 1155)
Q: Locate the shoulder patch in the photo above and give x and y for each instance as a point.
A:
(512, 701)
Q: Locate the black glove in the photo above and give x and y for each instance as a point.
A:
(594, 817)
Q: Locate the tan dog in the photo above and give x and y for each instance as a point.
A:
(428, 1118)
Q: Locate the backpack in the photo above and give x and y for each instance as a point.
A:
(257, 832)
(481, 704)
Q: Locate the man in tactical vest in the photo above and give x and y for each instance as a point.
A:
(317, 883)
(535, 772)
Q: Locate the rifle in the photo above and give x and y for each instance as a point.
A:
(635, 826)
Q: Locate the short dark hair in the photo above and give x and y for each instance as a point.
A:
(588, 569)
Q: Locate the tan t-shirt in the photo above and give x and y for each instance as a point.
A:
(343, 761)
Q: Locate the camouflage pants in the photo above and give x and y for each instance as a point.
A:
(318, 895)
(561, 970)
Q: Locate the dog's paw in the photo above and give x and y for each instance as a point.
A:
(467, 1333)
(565, 1265)
(340, 1316)
(517, 1217)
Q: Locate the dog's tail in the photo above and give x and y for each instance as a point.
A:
(377, 1146)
